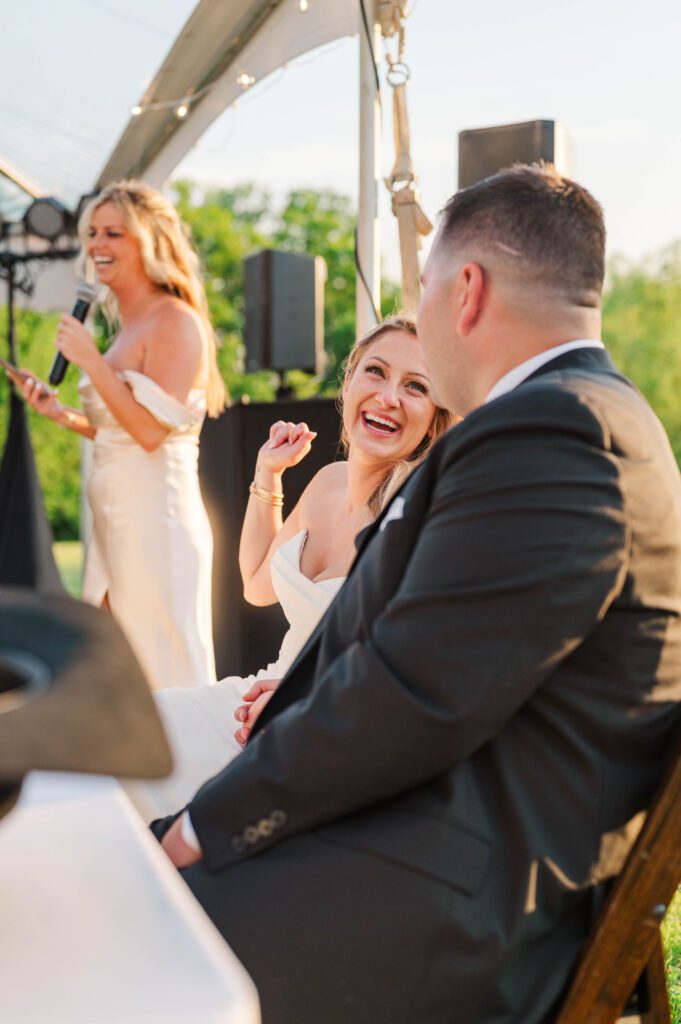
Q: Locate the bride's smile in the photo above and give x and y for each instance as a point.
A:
(387, 408)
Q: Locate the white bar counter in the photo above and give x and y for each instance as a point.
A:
(96, 926)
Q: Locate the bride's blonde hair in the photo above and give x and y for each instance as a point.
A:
(441, 422)
(168, 260)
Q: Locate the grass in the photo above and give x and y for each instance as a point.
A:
(68, 555)
(69, 558)
(671, 934)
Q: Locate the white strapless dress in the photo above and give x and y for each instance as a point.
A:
(151, 548)
(200, 723)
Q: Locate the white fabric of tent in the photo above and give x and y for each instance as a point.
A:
(219, 43)
(222, 40)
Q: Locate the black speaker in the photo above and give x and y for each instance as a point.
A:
(484, 151)
(284, 299)
(248, 638)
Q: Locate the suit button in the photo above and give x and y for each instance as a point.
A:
(265, 828)
(251, 834)
(238, 844)
(278, 819)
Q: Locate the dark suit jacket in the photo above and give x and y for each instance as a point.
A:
(490, 699)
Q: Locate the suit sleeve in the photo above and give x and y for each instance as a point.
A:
(523, 549)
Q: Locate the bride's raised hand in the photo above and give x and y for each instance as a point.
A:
(286, 446)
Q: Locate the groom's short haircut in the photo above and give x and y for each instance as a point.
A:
(547, 230)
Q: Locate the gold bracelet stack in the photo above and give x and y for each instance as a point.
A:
(264, 495)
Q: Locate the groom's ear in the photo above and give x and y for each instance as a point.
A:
(469, 294)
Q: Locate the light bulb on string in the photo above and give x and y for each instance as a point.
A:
(180, 106)
(303, 6)
(245, 80)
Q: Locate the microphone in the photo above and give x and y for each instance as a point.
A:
(85, 296)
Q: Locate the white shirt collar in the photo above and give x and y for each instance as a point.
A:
(520, 373)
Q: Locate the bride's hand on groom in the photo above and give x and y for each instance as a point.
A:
(255, 700)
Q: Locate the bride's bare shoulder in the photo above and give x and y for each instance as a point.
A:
(333, 476)
(325, 487)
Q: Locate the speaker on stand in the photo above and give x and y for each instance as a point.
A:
(484, 151)
(284, 300)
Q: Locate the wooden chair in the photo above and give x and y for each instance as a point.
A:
(623, 956)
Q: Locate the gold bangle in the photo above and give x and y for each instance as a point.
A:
(66, 418)
(264, 495)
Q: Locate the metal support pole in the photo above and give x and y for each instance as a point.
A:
(368, 302)
(11, 329)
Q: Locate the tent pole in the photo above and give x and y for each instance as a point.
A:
(368, 229)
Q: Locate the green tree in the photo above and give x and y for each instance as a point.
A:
(225, 226)
(228, 224)
(57, 451)
(323, 224)
(642, 329)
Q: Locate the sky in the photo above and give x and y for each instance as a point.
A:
(608, 71)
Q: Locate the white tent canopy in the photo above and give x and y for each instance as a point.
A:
(222, 40)
(222, 48)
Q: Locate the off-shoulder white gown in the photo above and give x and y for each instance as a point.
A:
(151, 548)
(200, 724)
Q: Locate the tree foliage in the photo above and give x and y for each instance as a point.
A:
(642, 329)
(229, 224)
(57, 451)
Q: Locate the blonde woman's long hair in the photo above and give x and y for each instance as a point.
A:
(441, 422)
(168, 259)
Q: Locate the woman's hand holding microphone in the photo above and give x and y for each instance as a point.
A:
(75, 342)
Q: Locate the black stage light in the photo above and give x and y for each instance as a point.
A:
(47, 218)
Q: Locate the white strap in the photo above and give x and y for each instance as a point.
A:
(169, 411)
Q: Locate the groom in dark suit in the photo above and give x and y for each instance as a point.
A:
(424, 823)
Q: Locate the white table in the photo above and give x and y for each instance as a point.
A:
(96, 926)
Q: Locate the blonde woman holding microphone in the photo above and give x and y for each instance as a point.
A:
(144, 400)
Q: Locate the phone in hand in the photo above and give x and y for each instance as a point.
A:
(16, 375)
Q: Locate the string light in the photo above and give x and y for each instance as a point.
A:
(180, 106)
(245, 80)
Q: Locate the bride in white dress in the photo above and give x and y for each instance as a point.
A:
(149, 557)
(389, 423)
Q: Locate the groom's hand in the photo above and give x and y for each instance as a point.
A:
(180, 853)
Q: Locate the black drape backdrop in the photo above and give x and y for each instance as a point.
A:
(247, 638)
(26, 557)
